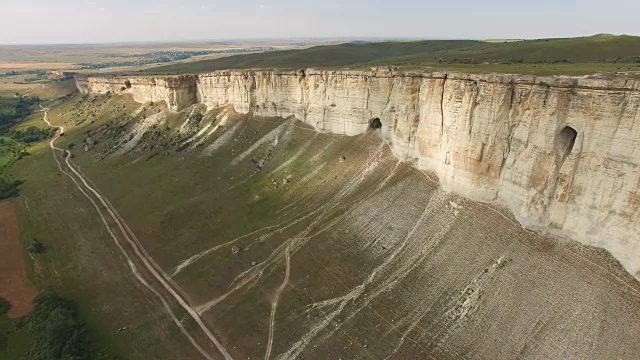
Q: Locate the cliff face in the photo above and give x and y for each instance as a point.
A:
(177, 92)
(563, 154)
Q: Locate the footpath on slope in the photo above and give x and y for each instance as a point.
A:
(82, 184)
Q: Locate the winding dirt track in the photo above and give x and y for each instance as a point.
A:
(83, 185)
(274, 305)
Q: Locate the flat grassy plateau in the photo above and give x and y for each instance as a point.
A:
(605, 54)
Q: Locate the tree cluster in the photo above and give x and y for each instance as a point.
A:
(56, 329)
(5, 306)
(9, 189)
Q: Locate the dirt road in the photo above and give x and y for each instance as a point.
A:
(94, 196)
(274, 305)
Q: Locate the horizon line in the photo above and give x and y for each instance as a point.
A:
(308, 38)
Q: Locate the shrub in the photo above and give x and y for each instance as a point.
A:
(9, 189)
(5, 306)
(196, 118)
(56, 329)
(36, 247)
(32, 134)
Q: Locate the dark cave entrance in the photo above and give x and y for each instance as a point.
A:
(566, 141)
(127, 84)
(375, 123)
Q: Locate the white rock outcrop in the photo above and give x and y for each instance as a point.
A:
(563, 154)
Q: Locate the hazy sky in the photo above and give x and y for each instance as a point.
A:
(77, 21)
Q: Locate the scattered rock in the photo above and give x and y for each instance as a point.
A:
(343, 158)
(235, 249)
(500, 263)
(454, 205)
(253, 263)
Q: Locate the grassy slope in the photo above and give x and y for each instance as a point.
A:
(13, 343)
(82, 262)
(183, 203)
(586, 50)
(179, 204)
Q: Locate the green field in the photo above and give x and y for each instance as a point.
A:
(81, 262)
(548, 56)
(13, 341)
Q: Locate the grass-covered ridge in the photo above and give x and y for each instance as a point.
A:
(598, 49)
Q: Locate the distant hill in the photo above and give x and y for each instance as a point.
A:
(602, 48)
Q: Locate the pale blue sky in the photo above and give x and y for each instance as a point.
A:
(77, 21)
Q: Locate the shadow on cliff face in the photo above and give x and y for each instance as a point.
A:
(566, 141)
(375, 123)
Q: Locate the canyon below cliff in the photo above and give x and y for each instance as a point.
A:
(561, 153)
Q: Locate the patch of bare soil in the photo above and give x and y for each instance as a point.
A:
(14, 284)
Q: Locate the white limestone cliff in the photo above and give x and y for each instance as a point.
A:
(177, 92)
(563, 154)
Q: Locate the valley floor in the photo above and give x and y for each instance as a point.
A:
(292, 244)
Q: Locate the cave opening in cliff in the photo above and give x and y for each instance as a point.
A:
(127, 84)
(375, 123)
(566, 141)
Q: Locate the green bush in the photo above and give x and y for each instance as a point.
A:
(5, 306)
(56, 329)
(196, 118)
(36, 247)
(32, 134)
(9, 189)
